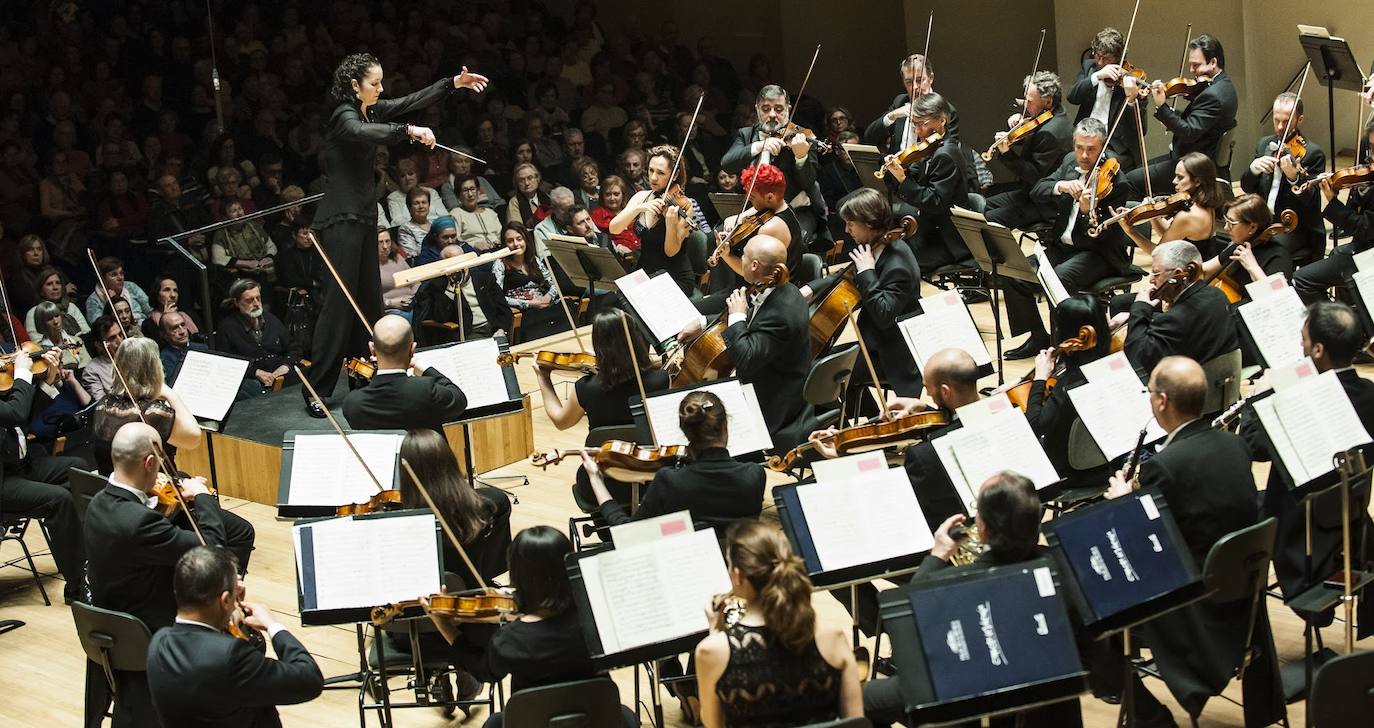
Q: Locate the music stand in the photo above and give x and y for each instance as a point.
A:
(996, 251)
(947, 670)
(586, 265)
(290, 440)
(727, 204)
(868, 161)
(1334, 64)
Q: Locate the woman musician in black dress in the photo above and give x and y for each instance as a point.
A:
(664, 247)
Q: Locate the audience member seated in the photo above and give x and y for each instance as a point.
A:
(613, 196)
(175, 343)
(478, 225)
(527, 205)
(122, 214)
(230, 189)
(299, 267)
(254, 333)
(167, 295)
(60, 204)
(281, 227)
(243, 249)
(407, 179)
(102, 341)
(410, 233)
(460, 167)
(175, 212)
(483, 307)
(395, 299)
(561, 203)
(527, 283)
(24, 280)
(51, 329)
(54, 288)
(113, 286)
(586, 183)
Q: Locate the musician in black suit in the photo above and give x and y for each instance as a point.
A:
(769, 339)
(1273, 173)
(1204, 476)
(1201, 124)
(395, 399)
(1354, 216)
(132, 570)
(791, 154)
(1197, 323)
(716, 489)
(1331, 336)
(34, 484)
(1098, 94)
(1033, 158)
(200, 675)
(888, 132)
(889, 282)
(1079, 259)
(933, 186)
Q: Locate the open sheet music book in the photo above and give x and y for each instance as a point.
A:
(472, 366)
(864, 518)
(1274, 318)
(325, 473)
(660, 303)
(1049, 279)
(748, 431)
(359, 563)
(944, 323)
(654, 591)
(995, 437)
(1309, 421)
(1114, 405)
(209, 382)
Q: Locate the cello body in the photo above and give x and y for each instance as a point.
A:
(706, 358)
(828, 317)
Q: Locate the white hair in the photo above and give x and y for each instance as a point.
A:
(1177, 254)
(561, 195)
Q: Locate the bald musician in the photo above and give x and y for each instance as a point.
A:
(401, 395)
(768, 337)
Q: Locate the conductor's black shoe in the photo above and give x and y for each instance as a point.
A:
(1029, 349)
(314, 409)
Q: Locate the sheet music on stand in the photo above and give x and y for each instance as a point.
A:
(660, 303)
(1273, 318)
(993, 246)
(319, 472)
(727, 204)
(1114, 405)
(1049, 279)
(646, 598)
(1308, 421)
(472, 366)
(865, 518)
(586, 265)
(995, 437)
(867, 160)
(847, 466)
(346, 566)
(944, 322)
(1363, 285)
(208, 383)
(748, 431)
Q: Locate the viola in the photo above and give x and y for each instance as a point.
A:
(387, 500)
(1235, 292)
(1360, 174)
(745, 228)
(478, 605)
(553, 360)
(1019, 394)
(170, 496)
(874, 435)
(1296, 147)
(919, 152)
(1021, 131)
(829, 313)
(627, 462)
(707, 357)
(1147, 210)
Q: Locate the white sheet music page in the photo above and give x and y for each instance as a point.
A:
(1049, 279)
(655, 591)
(748, 431)
(1364, 282)
(372, 561)
(663, 306)
(208, 383)
(325, 473)
(849, 466)
(1364, 260)
(1274, 318)
(1001, 441)
(1309, 422)
(634, 533)
(1114, 405)
(864, 519)
(472, 366)
(944, 323)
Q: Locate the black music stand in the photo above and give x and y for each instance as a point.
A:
(933, 619)
(868, 162)
(586, 265)
(1334, 64)
(998, 252)
(727, 204)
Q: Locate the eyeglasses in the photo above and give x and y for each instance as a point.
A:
(1228, 222)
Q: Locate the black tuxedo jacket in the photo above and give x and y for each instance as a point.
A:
(1201, 124)
(800, 177)
(399, 402)
(1112, 244)
(133, 550)
(886, 138)
(201, 677)
(1125, 143)
(934, 490)
(1035, 158)
(1308, 205)
(933, 187)
(715, 488)
(772, 351)
(16, 405)
(1198, 325)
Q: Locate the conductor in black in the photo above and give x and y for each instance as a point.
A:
(346, 221)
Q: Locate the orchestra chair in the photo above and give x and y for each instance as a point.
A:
(1084, 455)
(112, 640)
(1237, 568)
(584, 527)
(1342, 691)
(593, 703)
(84, 485)
(1226, 148)
(1107, 287)
(13, 528)
(859, 722)
(1223, 374)
(828, 381)
(810, 268)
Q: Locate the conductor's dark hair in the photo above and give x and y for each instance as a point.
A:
(1072, 314)
(701, 415)
(351, 68)
(537, 572)
(614, 364)
(867, 206)
(203, 574)
(1210, 47)
(1010, 511)
(930, 106)
(1335, 326)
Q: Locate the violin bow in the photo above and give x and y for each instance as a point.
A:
(9, 318)
(1025, 89)
(337, 429)
(868, 361)
(460, 153)
(1090, 185)
(911, 89)
(682, 150)
(558, 291)
(339, 280)
(443, 523)
(1288, 125)
(1183, 62)
(639, 378)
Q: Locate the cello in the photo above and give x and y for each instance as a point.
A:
(828, 314)
(1019, 393)
(1235, 292)
(707, 356)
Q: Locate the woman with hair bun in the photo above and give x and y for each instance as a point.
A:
(775, 665)
(715, 488)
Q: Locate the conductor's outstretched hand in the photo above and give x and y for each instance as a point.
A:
(475, 81)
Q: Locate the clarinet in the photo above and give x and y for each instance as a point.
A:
(1134, 459)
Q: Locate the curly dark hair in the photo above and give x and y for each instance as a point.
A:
(351, 68)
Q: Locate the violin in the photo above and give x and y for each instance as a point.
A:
(553, 360)
(1360, 174)
(919, 152)
(707, 357)
(829, 313)
(873, 435)
(359, 370)
(675, 198)
(627, 462)
(1235, 292)
(745, 228)
(1147, 210)
(1296, 147)
(1106, 177)
(477, 606)
(792, 128)
(1188, 88)
(1020, 393)
(168, 502)
(1021, 131)
(1134, 70)
(387, 500)
(35, 354)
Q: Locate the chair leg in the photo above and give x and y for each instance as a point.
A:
(33, 569)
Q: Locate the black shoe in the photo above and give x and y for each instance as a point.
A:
(314, 409)
(1029, 349)
(973, 295)
(885, 667)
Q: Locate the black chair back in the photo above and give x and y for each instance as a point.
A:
(583, 704)
(113, 640)
(830, 375)
(1342, 692)
(84, 484)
